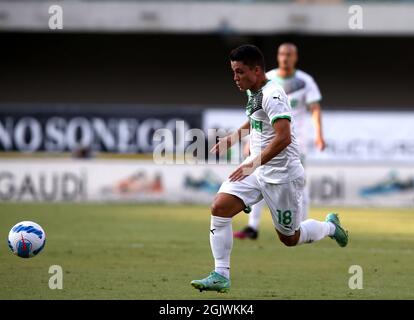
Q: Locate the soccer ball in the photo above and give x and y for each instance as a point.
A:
(26, 239)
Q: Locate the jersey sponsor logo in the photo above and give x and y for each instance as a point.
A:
(256, 125)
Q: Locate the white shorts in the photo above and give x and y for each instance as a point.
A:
(284, 200)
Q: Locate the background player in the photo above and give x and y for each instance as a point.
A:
(273, 172)
(304, 96)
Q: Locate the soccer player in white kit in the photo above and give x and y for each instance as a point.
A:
(273, 172)
(304, 96)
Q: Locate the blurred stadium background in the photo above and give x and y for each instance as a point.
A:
(79, 107)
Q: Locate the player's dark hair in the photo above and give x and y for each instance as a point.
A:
(249, 54)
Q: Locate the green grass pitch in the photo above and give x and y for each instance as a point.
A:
(113, 251)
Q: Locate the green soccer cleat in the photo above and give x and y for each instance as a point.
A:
(340, 235)
(214, 282)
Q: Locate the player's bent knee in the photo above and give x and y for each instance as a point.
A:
(226, 206)
(217, 209)
(289, 241)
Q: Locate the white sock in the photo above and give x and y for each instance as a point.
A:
(331, 229)
(221, 242)
(312, 230)
(254, 216)
(223, 271)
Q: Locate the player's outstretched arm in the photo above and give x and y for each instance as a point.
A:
(281, 140)
(228, 141)
(315, 109)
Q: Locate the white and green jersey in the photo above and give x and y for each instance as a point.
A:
(302, 91)
(264, 107)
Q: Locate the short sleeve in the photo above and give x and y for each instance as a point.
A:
(312, 92)
(277, 107)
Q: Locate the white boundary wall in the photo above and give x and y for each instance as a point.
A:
(207, 17)
(353, 137)
(56, 180)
